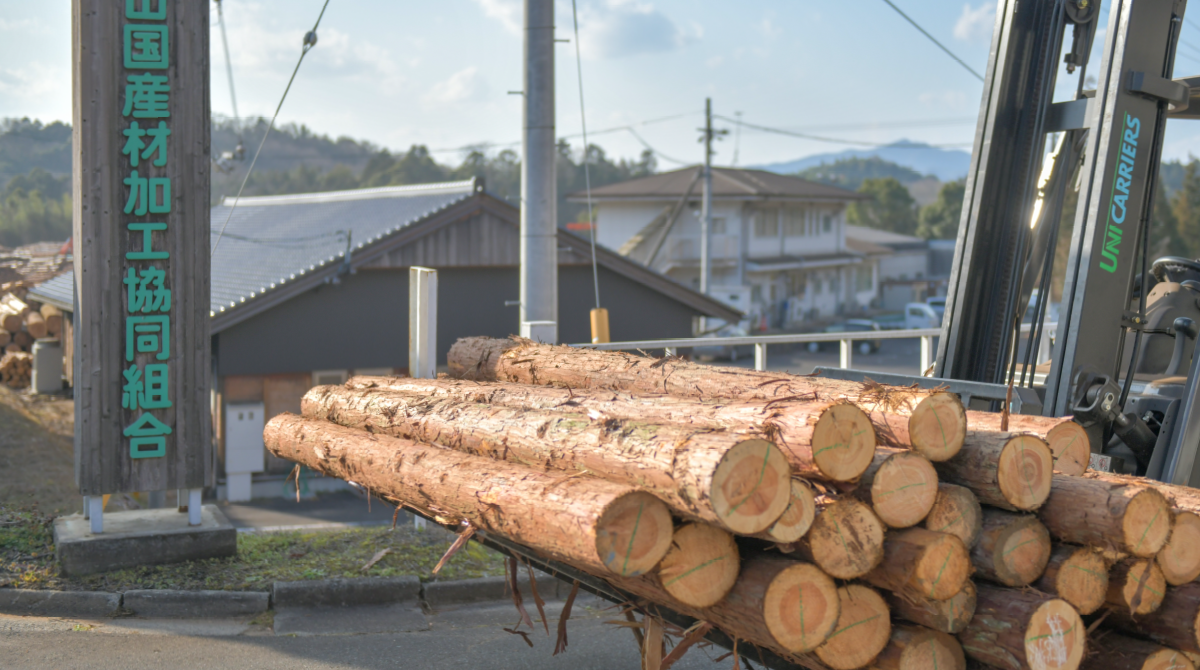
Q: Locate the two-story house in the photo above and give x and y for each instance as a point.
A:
(779, 251)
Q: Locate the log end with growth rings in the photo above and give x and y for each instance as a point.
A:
(1136, 585)
(863, 629)
(1025, 470)
(956, 511)
(918, 648)
(751, 487)
(846, 539)
(701, 565)
(1019, 550)
(904, 489)
(843, 442)
(944, 566)
(938, 426)
(1055, 638)
(633, 534)
(1081, 579)
(1180, 557)
(797, 518)
(1071, 448)
(1146, 523)
(801, 607)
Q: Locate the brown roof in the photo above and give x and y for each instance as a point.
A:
(730, 183)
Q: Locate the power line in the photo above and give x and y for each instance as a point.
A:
(934, 40)
(654, 151)
(831, 140)
(603, 131)
(587, 174)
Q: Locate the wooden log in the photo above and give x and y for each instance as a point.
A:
(919, 648)
(36, 325)
(23, 339)
(948, 616)
(15, 305)
(796, 519)
(922, 563)
(901, 487)
(956, 511)
(608, 527)
(1078, 575)
(701, 565)
(786, 606)
(1176, 622)
(5, 337)
(1013, 549)
(1002, 469)
(738, 481)
(822, 440)
(1023, 629)
(1136, 585)
(863, 629)
(1067, 439)
(53, 317)
(1107, 512)
(846, 539)
(1180, 556)
(12, 348)
(932, 422)
(1117, 652)
(10, 320)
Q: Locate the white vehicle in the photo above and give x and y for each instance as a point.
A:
(921, 315)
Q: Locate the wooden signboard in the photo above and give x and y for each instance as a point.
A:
(141, 244)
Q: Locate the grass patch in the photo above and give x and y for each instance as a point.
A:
(27, 559)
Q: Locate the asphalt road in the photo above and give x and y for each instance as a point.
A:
(467, 637)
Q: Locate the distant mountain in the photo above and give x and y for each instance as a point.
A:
(945, 164)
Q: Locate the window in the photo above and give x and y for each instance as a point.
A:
(766, 223)
(797, 282)
(864, 279)
(756, 293)
(718, 225)
(828, 223)
(793, 222)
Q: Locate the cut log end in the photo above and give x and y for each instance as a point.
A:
(1136, 585)
(904, 489)
(846, 539)
(843, 442)
(1072, 451)
(1180, 557)
(797, 518)
(1167, 659)
(801, 607)
(956, 511)
(1013, 549)
(948, 616)
(1055, 637)
(1147, 523)
(633, 534)
(751, 486)
(701, 565)
(938, 426)
(1024, 472)
(917, 648)
(922, 563)
(863, 629)
(1078, 575)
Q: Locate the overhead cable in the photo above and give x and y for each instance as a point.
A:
(587, 175)
(934, 40)
(834, 140)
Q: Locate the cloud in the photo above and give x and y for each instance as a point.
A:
(466, 85)
(976, 24)
(618, 28)
(34, 81)
(508, 12)
(944, 99)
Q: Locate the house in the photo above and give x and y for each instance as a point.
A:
(779, 250)
(909, 269)
(310, 289)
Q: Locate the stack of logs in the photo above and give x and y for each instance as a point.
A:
(16, 369)
(839, 525)
(22, 322)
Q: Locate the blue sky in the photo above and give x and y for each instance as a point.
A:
(439, 73)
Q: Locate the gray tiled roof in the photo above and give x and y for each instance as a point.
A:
(273, 240)
(734, 183)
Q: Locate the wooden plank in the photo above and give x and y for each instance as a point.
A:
(104, 462)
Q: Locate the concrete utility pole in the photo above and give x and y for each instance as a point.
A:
(539, 198)
(706, 201)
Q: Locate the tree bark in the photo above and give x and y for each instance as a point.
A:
(846, 539)
(863, 629)
(1078, 575)
(1117, 652)
(701, 565)
(1180, 557)
(738, 481)
(796, 519)
(36, 325)
(922, 564)
(956, 511)
(1067, 439)
(948, 616)
(1176, 623)
(1013, 548)
(822, 440)
(1136, 585)
(1022, 629)
(931, 422)
(605, 526)
(918, 648)
(1107, 512)
(900, 485)
(1002, 469)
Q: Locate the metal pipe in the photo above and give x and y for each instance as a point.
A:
(846, 348)
(760, 356)
(539, 229)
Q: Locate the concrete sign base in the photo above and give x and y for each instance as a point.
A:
(141, 537)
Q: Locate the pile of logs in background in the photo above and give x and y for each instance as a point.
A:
(837, 524)
(21, 324)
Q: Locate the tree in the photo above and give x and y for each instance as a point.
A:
(852, 172)
(890, 207)
(1186, 209)
(939, 219)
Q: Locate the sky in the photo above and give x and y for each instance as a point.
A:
(441, 73)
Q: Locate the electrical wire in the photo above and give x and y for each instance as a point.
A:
(835, 140)
(594, 133)
(587, 175)
(933, 39)
(654, 151)
(310, 41)
(228, 63)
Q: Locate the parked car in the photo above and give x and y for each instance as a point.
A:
(851, 326)
(921, 315)
(725, 351)
(938, 305)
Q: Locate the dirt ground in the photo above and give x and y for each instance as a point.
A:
(36, 452)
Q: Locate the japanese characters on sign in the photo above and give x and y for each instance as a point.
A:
(146, 132)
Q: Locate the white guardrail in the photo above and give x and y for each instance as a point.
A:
(845, 341)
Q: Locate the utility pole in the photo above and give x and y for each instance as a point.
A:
(706, 201)
(539, 221)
